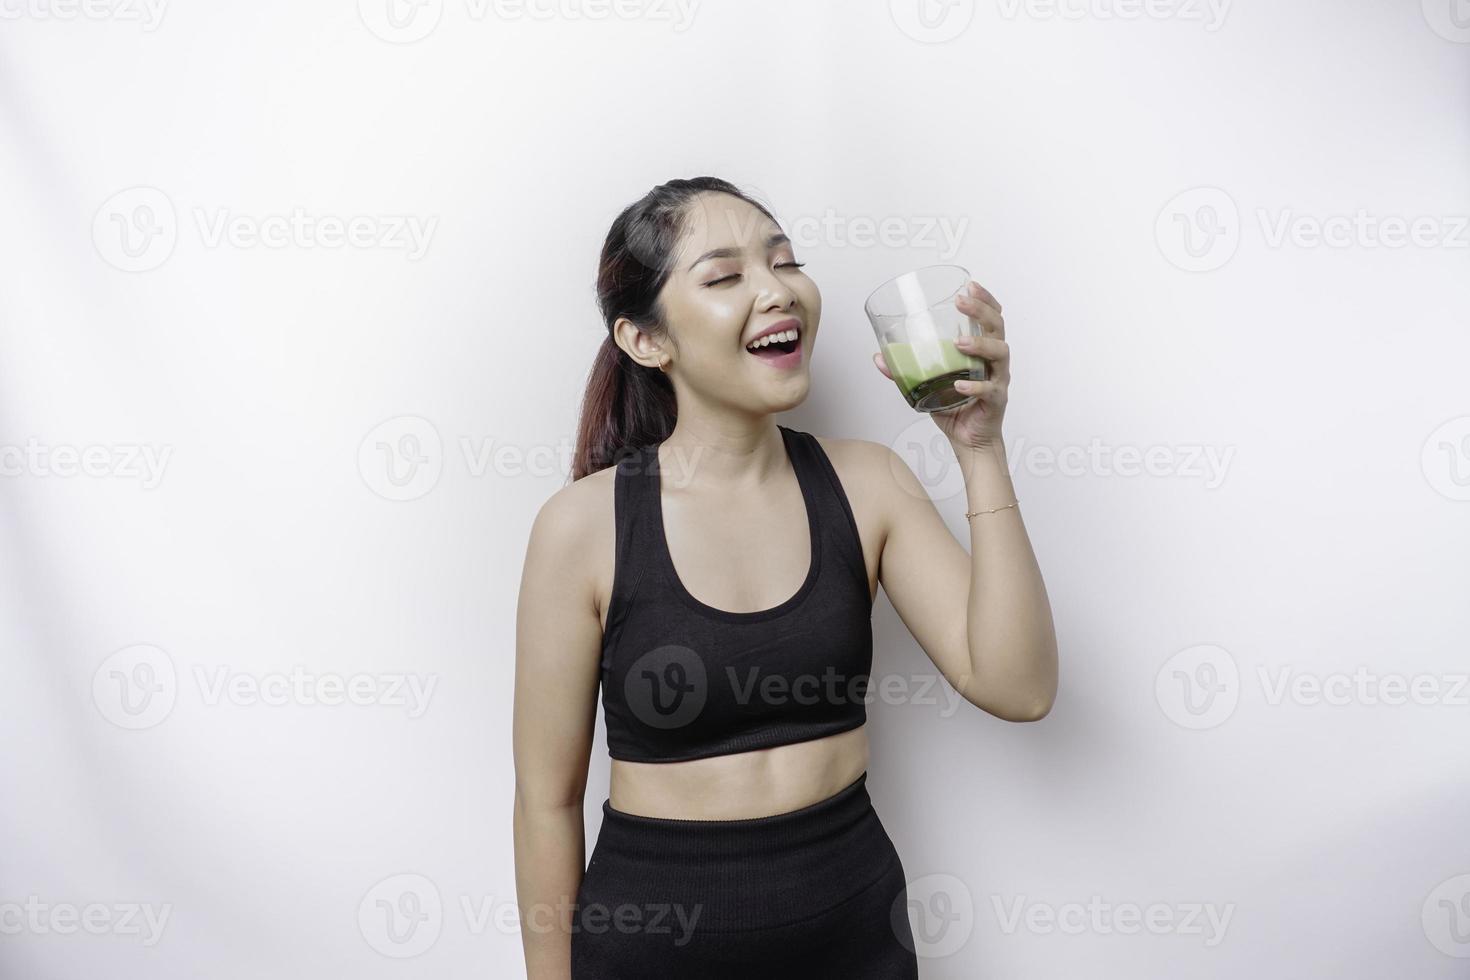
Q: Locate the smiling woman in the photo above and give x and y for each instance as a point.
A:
(686, 254)
(712, 573)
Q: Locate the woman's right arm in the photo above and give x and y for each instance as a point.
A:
(558, 647)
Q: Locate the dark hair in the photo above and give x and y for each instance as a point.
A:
(629, 405)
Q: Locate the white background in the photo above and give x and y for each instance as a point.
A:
(326, 496)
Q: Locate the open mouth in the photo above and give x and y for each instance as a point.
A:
(770, 347)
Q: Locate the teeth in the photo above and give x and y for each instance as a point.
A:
(775, 338)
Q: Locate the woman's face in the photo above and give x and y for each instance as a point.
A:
(734, 276)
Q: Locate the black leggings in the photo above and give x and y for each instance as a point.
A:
(809, 893)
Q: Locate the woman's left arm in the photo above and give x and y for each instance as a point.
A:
(1004, 659)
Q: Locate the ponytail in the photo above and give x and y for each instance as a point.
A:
(626, 405)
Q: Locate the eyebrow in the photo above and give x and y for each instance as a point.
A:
(779, 238)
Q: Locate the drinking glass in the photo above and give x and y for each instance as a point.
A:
(917, 322)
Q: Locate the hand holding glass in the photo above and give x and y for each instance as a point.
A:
(916, 320)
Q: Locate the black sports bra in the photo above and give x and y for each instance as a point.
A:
(684, 680)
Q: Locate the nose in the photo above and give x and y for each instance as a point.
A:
(774, 294)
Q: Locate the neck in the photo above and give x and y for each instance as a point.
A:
(724, 454)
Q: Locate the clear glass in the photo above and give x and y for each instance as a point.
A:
(916, 321)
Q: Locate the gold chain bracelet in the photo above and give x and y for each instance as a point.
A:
(992, 510)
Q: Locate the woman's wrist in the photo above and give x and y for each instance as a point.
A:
(987, 477)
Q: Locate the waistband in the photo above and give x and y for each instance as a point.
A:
(793, 828)
(747, 873)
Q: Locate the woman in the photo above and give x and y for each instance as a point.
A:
(714, 573)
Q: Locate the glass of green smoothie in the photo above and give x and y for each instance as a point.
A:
(917, 322)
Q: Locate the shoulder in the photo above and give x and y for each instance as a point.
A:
(863, 460)
(874, 476)
(574, 521)
(859, 456)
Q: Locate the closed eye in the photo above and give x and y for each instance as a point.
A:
(736, 275)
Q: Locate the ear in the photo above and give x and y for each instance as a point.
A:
(638, 345)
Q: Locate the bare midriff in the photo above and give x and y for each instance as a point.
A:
(759, 783)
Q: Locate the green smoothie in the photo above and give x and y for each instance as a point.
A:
(926, 372)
